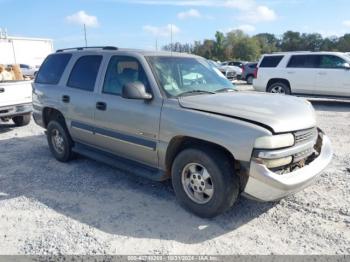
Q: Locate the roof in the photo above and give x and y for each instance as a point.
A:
(124, 50)
(304, 52)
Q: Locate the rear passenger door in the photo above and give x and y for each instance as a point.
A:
(79, 98)
(301, 72)
(127, 127)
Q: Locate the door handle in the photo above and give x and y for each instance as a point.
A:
(322, 73)
(291, 72)
(2, 90)
(65, 99)
(101, 106)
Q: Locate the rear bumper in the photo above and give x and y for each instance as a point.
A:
(15, 110)
(258, 85)
(265, 185)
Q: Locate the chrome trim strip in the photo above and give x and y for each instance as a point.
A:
(122, 137)
(124, 141)
(286, 152)
(83, 130)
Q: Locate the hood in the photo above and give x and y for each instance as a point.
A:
(279, 112)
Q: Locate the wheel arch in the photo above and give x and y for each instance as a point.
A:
(50, 113)
(277, 80)
(179, 143)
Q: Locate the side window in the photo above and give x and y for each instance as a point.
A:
(303, 61)
(331, 61)
(84, 72)
(122, 70)
(52, 69)
(271, 61)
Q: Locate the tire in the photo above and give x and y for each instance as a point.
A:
(250, 79)
(22, 120)
(279, 88)
(223, 181)
(59, 141)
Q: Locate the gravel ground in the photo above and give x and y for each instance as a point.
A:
(85, 207)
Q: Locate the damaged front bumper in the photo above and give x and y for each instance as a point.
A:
(266, 185)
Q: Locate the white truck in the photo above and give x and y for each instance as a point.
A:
(16, 102)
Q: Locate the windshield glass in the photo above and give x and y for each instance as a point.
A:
(187, 75)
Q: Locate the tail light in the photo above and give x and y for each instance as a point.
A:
(256, 72)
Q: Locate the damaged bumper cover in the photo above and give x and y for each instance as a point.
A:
(265, 185)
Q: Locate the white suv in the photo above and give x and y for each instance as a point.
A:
(306, 73)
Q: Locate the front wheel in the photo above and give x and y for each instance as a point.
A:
(204, 181)
(22, 120)
(279, 88)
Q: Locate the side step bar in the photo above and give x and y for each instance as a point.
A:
(120, 163)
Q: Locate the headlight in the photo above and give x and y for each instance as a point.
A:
(272, 142)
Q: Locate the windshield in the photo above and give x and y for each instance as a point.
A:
(187, 75)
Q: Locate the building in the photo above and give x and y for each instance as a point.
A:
(23, 50)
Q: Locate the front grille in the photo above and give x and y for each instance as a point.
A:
(302, 137)
(305, 136)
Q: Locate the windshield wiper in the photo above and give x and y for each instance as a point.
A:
(227, 89)
(196, 92)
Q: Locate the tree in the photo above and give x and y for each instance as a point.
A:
(291, 41)
(268, 43)
(247, 49)
(329, 44)
(231, 40)
(178, 47)
(344, 43)
(238, 45)
(219, 45)
(311, 42)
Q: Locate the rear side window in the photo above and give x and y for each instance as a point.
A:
(271, 61)
(84, 72)
(303, 61)
(52, 69)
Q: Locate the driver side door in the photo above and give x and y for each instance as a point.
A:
(127, 127)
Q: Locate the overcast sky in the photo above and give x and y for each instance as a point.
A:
(139, 23)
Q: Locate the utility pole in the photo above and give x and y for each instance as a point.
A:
(85, 35)
(156, 44)
(171, 39)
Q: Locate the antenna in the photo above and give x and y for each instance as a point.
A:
(85, 35)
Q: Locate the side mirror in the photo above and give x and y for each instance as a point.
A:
(347, 66)
(135, 90)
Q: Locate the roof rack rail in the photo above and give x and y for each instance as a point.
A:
(88, 47)
(286, 52)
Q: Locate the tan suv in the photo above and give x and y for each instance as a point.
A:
(174, 116)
